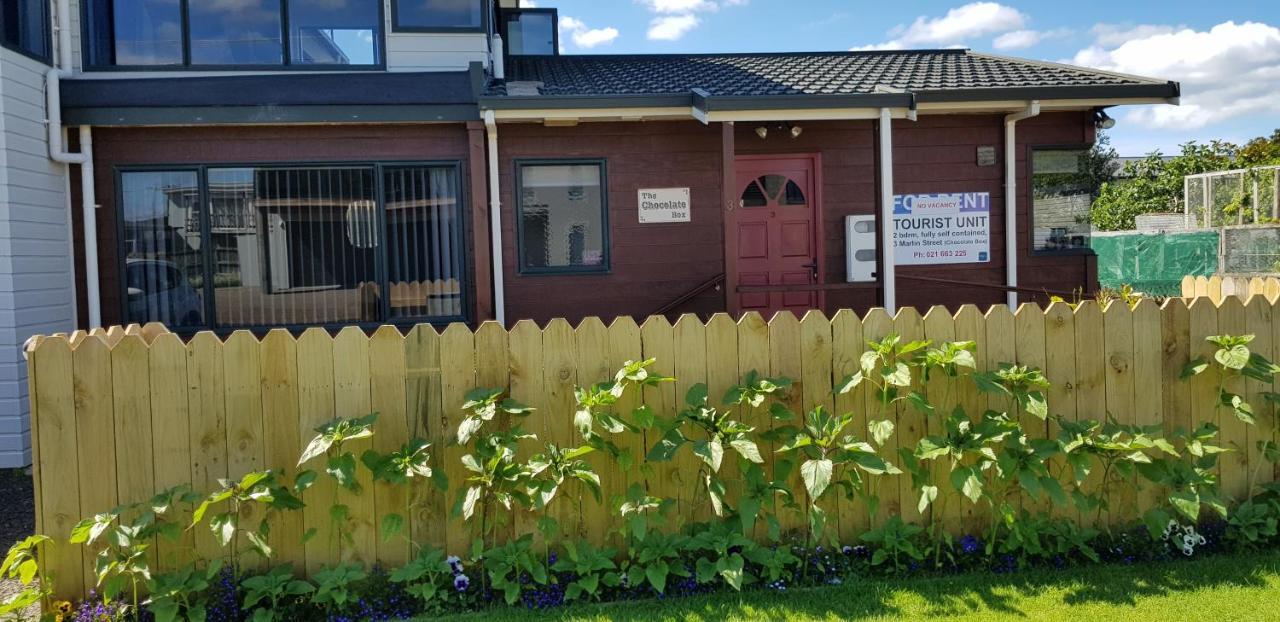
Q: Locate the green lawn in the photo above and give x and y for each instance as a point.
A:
(1211, 590)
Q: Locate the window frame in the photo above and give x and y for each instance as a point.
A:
(606, 264)
(483, 28)
(463, 243)
(46, 35)
(88, 38)
(1031, 201)
(504, 25)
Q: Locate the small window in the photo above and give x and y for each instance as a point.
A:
(24, 26)
(1062, 193)
(531, 32)
(438, 15)
(563, 217)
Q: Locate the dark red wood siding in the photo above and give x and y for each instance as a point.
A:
(122, 147)
(651, 265)
(654, 264)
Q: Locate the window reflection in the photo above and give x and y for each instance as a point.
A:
(459, 14)
(334, 32)
(148, 32)
(163, 271)
(236, 32)
(1062, 194)
(562, 218)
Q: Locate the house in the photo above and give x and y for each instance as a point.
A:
(293, 163)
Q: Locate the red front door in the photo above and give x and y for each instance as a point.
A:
(777, 234)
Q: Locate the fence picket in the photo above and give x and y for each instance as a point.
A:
(911, 422)
(53, 423)
(387, 382)
(316, 408)
(428, 507)
(1235, 433)
(281, 442)
(875, 327)
(457, 378)
(131, 406)
(592, 341)
(847, 347)
(1258, 321)
(559, 377)
(243, 376)
(1119, 389)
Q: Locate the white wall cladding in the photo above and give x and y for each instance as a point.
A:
(36, 279)
(406, 51)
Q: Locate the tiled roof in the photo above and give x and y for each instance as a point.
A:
(800, 74)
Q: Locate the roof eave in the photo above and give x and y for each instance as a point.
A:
(1152, 90)
(268, 115)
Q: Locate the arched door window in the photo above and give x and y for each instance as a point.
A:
(773, 191)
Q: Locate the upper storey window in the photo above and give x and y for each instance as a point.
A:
(531, 32)
(245, 33)
(24, 26)
(438, 15)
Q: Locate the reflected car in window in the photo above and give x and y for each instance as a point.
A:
(160, 292)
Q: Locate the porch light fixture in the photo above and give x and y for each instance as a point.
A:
(1102, 120)
(788, 128)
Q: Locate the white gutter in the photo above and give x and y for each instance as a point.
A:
(58, 153)
(495, 219)
(1011, 198)
(888, 272)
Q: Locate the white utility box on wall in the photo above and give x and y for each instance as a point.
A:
(860, 248)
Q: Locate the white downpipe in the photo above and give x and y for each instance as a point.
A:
(1011, 198)
(58, 153)
(495, 219)
(888, 272)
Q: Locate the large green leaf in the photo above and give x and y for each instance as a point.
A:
(817, 476)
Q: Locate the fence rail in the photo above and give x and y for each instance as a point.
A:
(122, 413)
(1218, 288)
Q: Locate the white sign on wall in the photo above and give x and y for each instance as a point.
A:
(659, 205)
(936, 229)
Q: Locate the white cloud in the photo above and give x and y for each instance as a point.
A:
(672, 27)
(528, 4)
(1112, 35)
(1230, 70)
(976, 19)
(677, 17)
(680, 6)
(584, 36)
(1022, 39)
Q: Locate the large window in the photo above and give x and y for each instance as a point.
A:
(438, 15)
(531, 32)
(24, 26)
(563, 217)
(291, 246)
(1062, 192)
(242, 33)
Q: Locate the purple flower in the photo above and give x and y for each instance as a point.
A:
(461, 583)
(970, 545)
(455, 564)
(846, 549)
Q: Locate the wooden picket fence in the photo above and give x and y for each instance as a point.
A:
(122, 413)
(1216, 288)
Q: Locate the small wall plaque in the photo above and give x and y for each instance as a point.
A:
(986, 155)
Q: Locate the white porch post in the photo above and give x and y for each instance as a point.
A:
(887, 268)
(495, 219)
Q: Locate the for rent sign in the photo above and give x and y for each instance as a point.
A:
(934, 229)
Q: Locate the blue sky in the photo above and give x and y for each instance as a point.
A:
(1226, 53)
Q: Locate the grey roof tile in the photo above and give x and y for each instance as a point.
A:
(758, 75)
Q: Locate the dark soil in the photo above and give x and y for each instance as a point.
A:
(17, 519)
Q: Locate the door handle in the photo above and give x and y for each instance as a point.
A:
(813, 267)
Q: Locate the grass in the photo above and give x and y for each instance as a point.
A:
(1217, 589)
